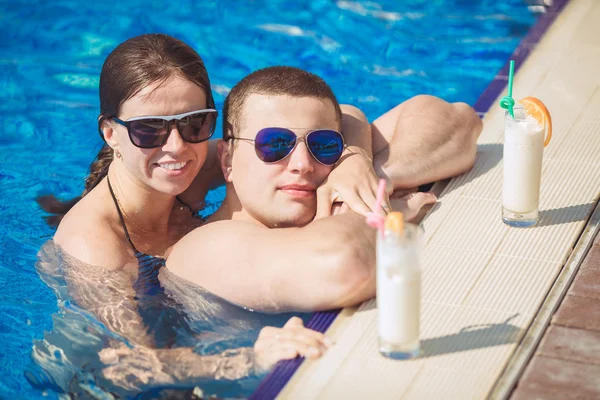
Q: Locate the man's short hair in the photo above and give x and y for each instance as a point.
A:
(275, 81)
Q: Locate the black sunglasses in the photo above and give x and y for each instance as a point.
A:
(153, 131)
(275, 144)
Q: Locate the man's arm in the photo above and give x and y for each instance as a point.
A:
(326, 264)
(356, 131)
(423, 140)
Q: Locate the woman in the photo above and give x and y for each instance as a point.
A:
(157, 114)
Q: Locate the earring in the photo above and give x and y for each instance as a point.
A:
(118, 155)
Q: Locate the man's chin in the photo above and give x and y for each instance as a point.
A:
(296, 220)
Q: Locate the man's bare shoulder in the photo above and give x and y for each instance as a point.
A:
(212, 235)
(212, 245)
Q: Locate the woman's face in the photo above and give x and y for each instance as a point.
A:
(171, 168)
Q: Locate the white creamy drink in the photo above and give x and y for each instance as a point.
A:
(398, 293)
(523, 151)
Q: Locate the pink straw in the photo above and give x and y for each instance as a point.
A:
(376, 219)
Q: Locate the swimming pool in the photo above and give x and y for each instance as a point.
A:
(373, 54)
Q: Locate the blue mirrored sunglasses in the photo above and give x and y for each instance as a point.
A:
(275, 144)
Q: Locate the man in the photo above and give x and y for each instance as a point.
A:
(272, 180)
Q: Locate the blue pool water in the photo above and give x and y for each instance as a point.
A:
(374, 55)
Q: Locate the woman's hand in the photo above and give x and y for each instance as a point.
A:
(293, 340)
(354, 182)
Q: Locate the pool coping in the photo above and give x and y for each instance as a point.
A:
(275, 381)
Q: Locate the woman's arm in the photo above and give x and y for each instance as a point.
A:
(141, 368)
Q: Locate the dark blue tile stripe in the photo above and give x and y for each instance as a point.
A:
(270, 387)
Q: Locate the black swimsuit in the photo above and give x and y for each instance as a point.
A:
(161, 314)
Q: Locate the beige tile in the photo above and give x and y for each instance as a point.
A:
(551, 243)
(567, 184)
(580, 63)
(487, 159)
(448, 274)
(493, 124)
(469, 339)
(434, 384)
(315, 376)
(487, 184)
(587, 32)
(474, 224)
(582, 147)
(370, 375)
(565, 98)
(441, 210)
(513, 285)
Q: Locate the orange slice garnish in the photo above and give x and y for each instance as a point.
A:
(534, 107)
(395, 222)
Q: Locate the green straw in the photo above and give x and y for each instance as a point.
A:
(507, 102)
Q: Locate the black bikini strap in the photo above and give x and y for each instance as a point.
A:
(112, 193)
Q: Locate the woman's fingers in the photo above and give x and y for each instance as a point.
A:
(275, 344)
(293, 322)
(370, 197)
(265, 360)
(339, 208)
(303, 337)
(325, 200)
(356, 202)
(294, 330)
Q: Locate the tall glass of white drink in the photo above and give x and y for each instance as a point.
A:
(399, 289)
(523, 151)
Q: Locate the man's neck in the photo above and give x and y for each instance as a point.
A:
(232, 209)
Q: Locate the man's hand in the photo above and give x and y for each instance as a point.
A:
(411, 204)
(408, 203)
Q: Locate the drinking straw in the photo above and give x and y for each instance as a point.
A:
(507, 102)
(376, 219)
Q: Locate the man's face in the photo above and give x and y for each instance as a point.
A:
(283, 193)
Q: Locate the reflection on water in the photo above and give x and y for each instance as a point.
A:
(100, 346)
